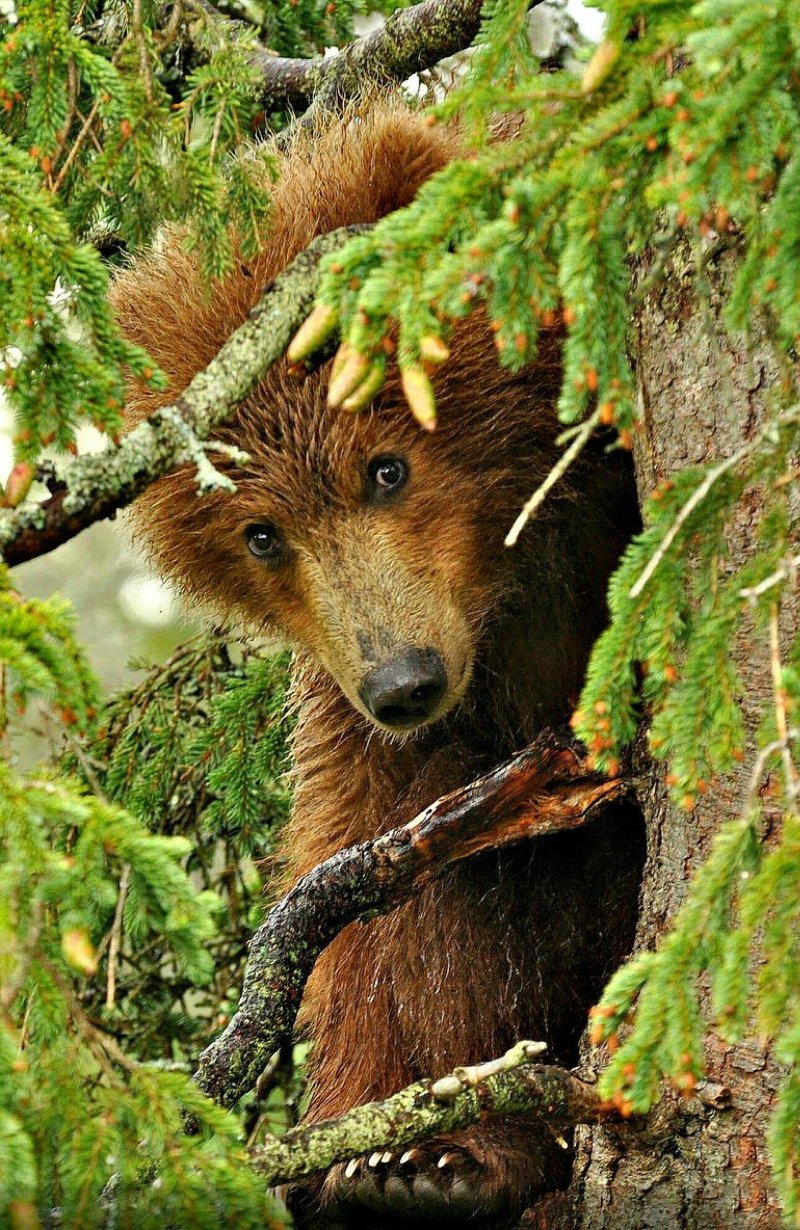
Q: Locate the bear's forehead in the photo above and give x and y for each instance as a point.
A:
(308, 456)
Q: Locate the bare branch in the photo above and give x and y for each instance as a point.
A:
(544, 789)
(509, 1086)
(99, 484)
(411, 41)
(566, 459)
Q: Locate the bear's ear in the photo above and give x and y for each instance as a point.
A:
(353, 169)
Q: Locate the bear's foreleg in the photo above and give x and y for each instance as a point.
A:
(437, 983)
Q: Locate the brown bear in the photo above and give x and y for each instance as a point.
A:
(425, 653)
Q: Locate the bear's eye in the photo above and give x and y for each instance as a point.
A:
(265, 542)
(387, 475)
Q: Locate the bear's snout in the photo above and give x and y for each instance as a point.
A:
(405, 691)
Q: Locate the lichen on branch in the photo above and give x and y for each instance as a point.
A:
(508, 1086)
(97, 485)
(410, 41)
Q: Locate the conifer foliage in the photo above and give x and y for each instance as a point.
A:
(680, 132)
(128, 873)
(113, 122)
(123, 933)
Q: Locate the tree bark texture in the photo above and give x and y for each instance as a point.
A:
(700, 1164)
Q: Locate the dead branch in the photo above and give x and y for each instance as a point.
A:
(545, 789)
(509, 1086)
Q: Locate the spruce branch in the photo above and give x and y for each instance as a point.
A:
(506, 1086)
(545, 789)
(97, 485)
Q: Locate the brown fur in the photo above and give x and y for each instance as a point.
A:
(511, 945)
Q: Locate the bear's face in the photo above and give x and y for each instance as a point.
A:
(366, 543)
(362, 543)
(371, 546)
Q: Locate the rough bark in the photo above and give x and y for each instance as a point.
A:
(701, 1164)
(410, 41)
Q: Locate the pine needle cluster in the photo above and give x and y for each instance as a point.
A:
(123, 933)
(198, 749)
(682, 125)
(116, 118)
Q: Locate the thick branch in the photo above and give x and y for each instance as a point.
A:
(99, 484)
(543, 790)
(510, 1086)
(411, 40)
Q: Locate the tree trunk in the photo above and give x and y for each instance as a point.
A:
(699, 1163)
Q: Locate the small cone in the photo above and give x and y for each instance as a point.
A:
(433, 349)
(18, 484)
(420, 396)
(364, 393)
(348, 377)
(312, 333)
(600, 65)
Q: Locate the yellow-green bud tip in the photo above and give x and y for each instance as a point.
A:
(348, 377)
(433, 349)
(314, 330)
(600, 65)
(419, 394)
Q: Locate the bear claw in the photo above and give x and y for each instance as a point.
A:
(432, 1183)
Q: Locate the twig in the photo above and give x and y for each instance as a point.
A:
(87, 126)
(140, 39)
(701, 491)
(99, 484)
(786, 572)
(569, 455)
(543, 790)
(76, 146)
(72, 96)
(779, 699)
(508, 1086)
(116, 937)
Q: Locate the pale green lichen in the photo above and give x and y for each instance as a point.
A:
(15, 521)
(511, 1085)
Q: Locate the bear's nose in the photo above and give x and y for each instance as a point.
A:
(406, 690)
